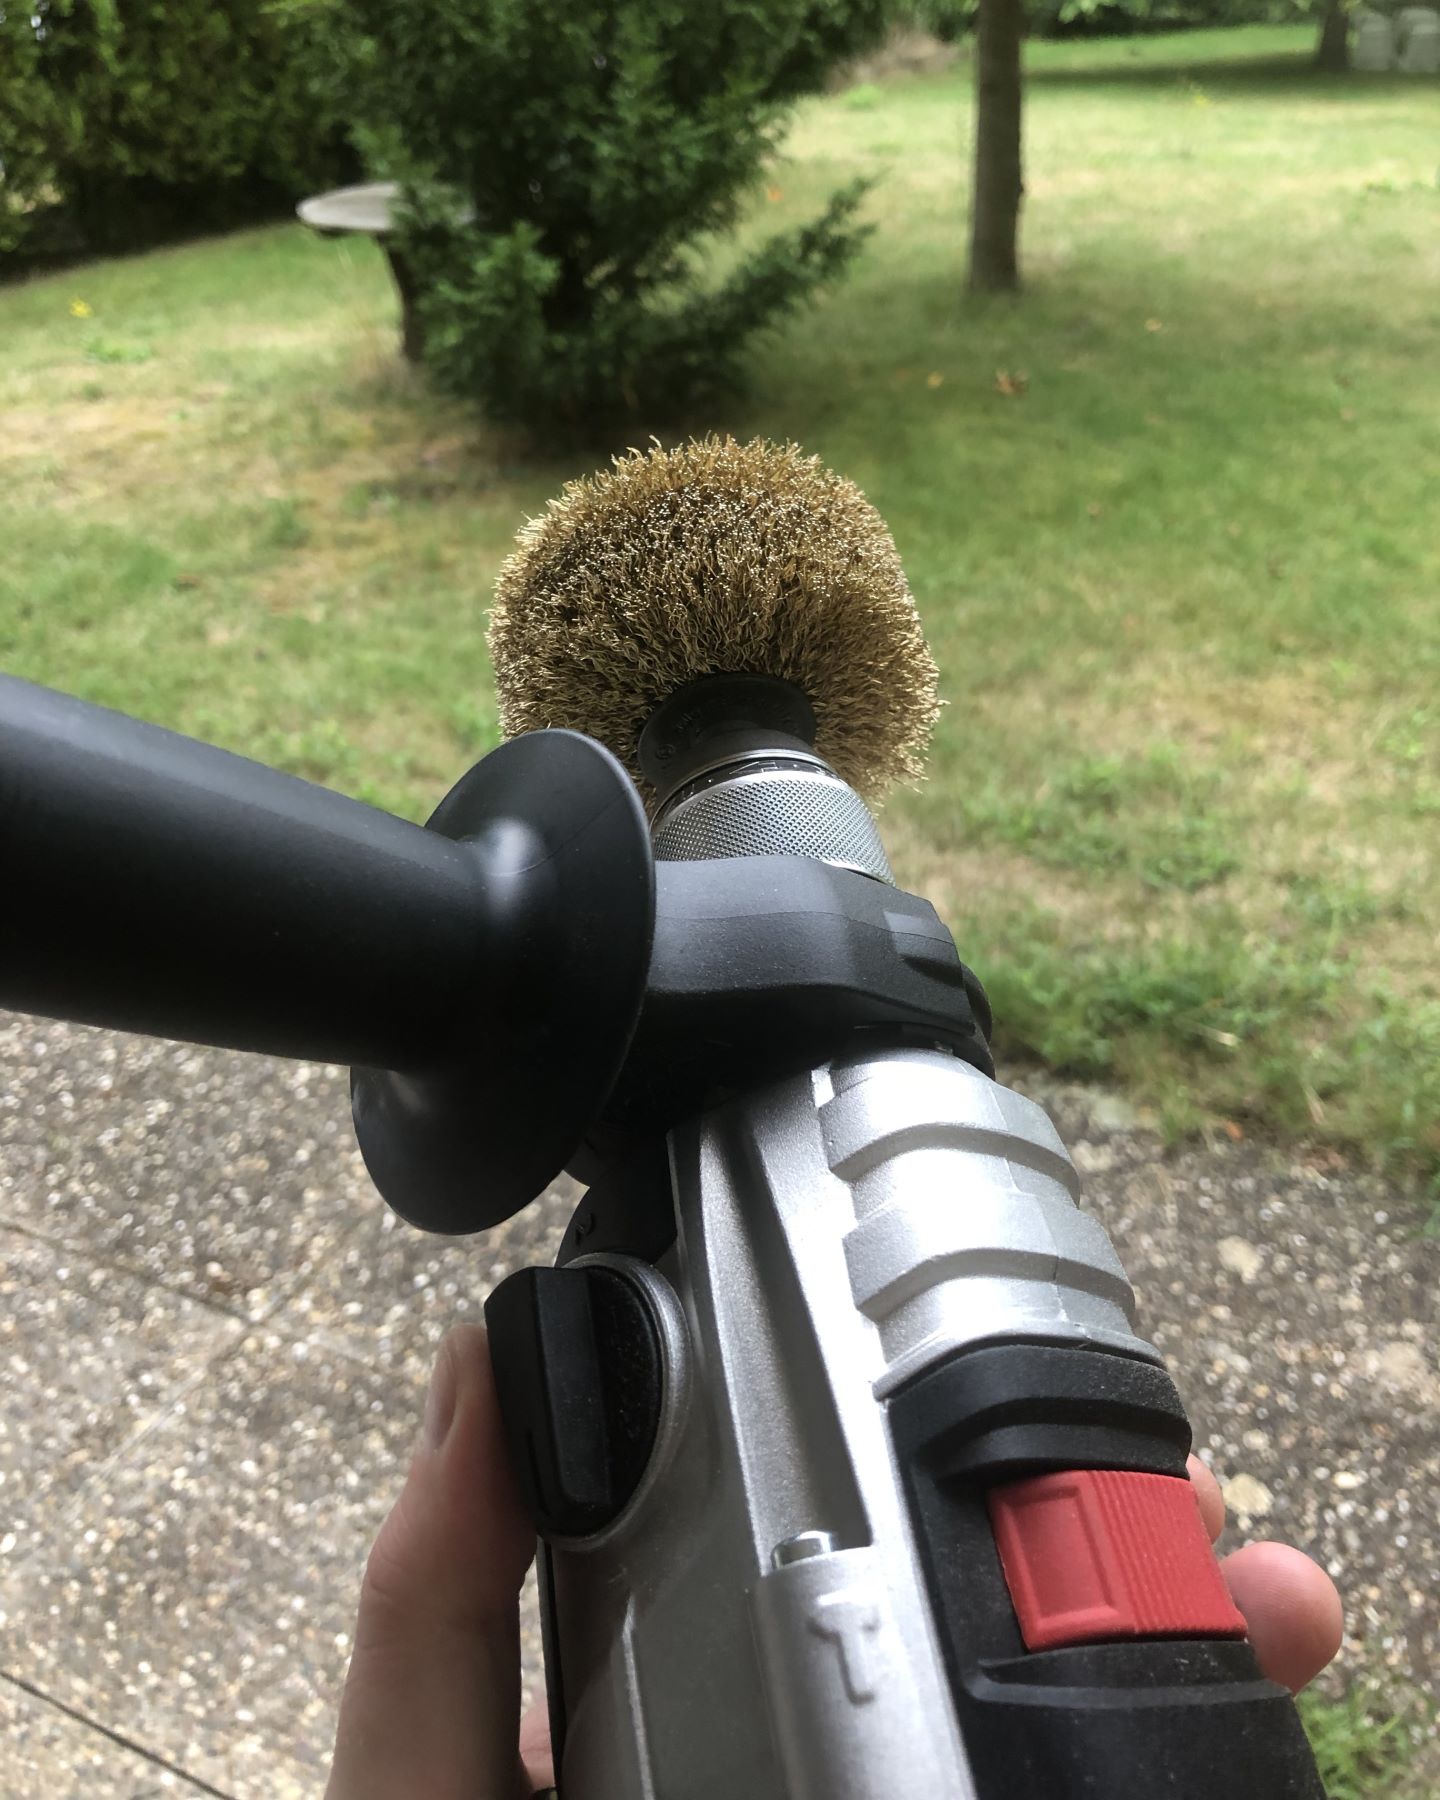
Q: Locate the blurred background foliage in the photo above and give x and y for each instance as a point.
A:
(122, 125)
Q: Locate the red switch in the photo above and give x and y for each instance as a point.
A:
(1096, 1554)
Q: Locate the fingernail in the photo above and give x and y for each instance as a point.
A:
(440, 1401)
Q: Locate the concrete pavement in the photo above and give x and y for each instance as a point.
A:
(215, 1340)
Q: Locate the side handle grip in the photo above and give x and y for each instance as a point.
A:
(483, 974)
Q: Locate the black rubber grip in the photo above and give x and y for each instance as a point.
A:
(157, 884)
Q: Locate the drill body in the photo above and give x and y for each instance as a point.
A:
(838, 1234)
(851, 1471)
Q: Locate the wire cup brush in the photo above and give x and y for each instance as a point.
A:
(710, 609)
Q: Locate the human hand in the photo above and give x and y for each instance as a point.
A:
(431, 1709)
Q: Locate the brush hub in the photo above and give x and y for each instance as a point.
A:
(719, 717)
(733, 763)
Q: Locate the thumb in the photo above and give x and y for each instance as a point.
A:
(432, 1701)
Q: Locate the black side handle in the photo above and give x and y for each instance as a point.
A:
(484, 974)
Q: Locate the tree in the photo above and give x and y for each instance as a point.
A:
(999, 35)
(566, 163)
(999, 184)
(1332, 52)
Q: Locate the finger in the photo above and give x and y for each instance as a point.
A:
(1207, 1492)
(535, 1747)
(432, 1701)
(1291, 1607)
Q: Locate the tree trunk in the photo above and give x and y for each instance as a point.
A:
(995, 216)
(1333, 51)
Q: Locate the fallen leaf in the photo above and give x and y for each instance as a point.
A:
(934, 379)
(1013, 386)
(772, 194)
(1108, 1112)
(1153, 325)
(1250, 1498)
(1240, 1257)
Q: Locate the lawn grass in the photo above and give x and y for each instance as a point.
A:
(1365, 1741)
(1183, 802)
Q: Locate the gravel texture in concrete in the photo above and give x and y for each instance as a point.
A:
(215, 1342)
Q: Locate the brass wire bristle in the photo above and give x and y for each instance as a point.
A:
(715, 558)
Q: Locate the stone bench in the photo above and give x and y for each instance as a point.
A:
(1417, 39)
(369, 211)
(1408, 41)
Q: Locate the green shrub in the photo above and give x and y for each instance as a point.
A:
(121, 122)
(563, 162)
